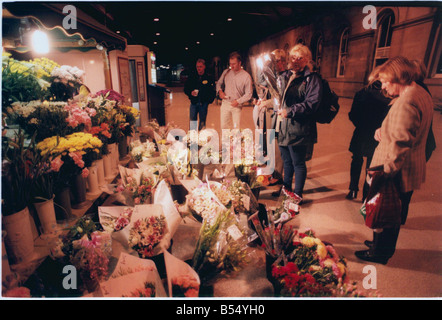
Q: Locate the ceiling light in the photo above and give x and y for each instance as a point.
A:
(197, 42)
(40, 42)
(212, 34)
(186, 48)
(118, 31)
(155, 42)
(156, 19)
(229, 19)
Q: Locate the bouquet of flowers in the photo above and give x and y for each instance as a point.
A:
(131, 115)
(140, 151)
(17, 173)
(313, 268)
(185, 286)
(276, 237)
(289, 204)
(21, 82)
(204, 203)
(66, 82)
(45, 119)
(147, 232)
(114, 220)
(243, 199)
(71, 154)
(133, 277)
(220, 248)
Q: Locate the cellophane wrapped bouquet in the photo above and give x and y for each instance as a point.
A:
(220, 248)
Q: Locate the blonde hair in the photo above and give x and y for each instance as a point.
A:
(305, 52)
(398, 70)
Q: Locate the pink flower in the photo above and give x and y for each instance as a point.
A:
(78, 159)
(85, 173)
(56, 164)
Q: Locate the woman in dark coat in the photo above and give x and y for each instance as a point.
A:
(369, 108)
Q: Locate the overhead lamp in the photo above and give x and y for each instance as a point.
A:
(157, 34)
(118, 31)
(155, 42)
(197, 42)
(212, 34)
(156, 19)
(40, 41)
(229, 19)
(99, 47)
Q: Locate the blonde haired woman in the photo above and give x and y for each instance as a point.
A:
(401, 149)
(296, 126)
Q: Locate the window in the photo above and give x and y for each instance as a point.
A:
(385, 32)
(343, 52)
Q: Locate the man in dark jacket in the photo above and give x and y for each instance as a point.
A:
(200, 88)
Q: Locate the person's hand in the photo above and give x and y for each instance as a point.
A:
(194, 93)
(234, 103)
(222, 95)
(377, 134)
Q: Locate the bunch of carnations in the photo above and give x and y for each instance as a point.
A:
(185, 286)
(146, 234)
(243, 200)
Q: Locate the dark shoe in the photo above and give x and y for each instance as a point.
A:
(351, 195)
(366, 256)
(274, 181)
(368, 243)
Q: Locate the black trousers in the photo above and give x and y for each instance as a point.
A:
(357, 161)
(384, 243)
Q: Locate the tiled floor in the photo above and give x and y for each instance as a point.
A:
(416, 268)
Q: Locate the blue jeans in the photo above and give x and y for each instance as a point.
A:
(293, 158)
(201, 109)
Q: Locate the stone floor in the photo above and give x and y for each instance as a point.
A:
(415, 271)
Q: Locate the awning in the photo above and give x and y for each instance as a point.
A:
(51, 16)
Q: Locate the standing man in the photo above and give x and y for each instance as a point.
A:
(234, 88)
(200, 88)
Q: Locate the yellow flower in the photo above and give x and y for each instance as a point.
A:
(342, 268)
(329, 263)
(308, 241)
(321, 250)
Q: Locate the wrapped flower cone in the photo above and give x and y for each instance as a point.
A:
(182, 280)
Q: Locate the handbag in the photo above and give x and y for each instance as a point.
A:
(382, 205)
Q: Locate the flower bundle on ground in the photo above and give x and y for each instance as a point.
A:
(146, 234)
(185, 285)
(220, 247)
(140, 151)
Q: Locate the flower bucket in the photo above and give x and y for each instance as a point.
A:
(123, 147)
(19, 241)
(100, 172)
(46, 215)
(113, 151)
(78, 190)
(107, 165)
(92, 180)
(6, 270)
(63, 209)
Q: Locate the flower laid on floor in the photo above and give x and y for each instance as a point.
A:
(313, 269)
(185, 286)
(289, 205)
(140, 151)
(220, 248)
(147, 291)
(123, 220)
(139, 190)
(204, 203)
(243, 200)
(276, 238)
(146, 234)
